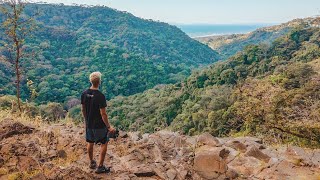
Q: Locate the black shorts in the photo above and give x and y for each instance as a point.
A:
(97, 135)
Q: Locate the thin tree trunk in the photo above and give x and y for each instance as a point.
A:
(18, 81)
(17, 44)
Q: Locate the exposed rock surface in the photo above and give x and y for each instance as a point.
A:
(59, 152)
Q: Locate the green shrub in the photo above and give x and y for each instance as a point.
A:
(75, 114)
(7, 102)
(52, 111)
(31, 109)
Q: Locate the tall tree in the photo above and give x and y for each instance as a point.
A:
(17, 27)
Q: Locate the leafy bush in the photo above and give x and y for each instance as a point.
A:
(7, 102)
(75, 114)
(52, 111)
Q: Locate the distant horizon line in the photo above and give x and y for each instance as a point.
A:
(224, 24)
(171, 23)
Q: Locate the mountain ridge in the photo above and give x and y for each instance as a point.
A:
(228, 45)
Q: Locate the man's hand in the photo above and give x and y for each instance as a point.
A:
(111, 130)
(105, 117)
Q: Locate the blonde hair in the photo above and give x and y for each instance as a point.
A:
(95, 78)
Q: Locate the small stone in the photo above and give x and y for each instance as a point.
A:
(123, 134)
(143, 171)
(52, 153)
(62, 154)
(171, 173)
(231, 174)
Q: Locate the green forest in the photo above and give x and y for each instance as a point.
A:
(270, 92)
(70, 42)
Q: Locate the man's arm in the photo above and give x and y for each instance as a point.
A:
(105, 117)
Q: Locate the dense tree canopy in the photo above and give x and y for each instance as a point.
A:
(273, 91)
(133, 54)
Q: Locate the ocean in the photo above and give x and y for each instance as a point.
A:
(195, 30)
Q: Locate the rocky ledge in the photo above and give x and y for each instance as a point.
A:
(59, 152)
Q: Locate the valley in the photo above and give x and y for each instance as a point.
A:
(251, 93)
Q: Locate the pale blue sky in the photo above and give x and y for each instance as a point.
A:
(212, 11)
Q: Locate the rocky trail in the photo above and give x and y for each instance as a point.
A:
(59, 152)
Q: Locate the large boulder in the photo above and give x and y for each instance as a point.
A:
(135, 136)
(211, 163)
(208, 140)
(246, 165)
(237, 145)
(256, 153)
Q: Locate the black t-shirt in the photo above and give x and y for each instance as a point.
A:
(93, 100)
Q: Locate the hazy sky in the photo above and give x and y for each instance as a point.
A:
(212, 11)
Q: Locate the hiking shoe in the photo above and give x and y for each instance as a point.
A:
(93, 164)
(102, 169)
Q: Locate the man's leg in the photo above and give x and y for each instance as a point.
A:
(103, 152)
(90, 151)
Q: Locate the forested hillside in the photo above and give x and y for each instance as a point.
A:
(263, 91)
(228, 45)
(69, 42)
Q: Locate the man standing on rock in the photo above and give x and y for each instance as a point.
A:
(96, 121)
